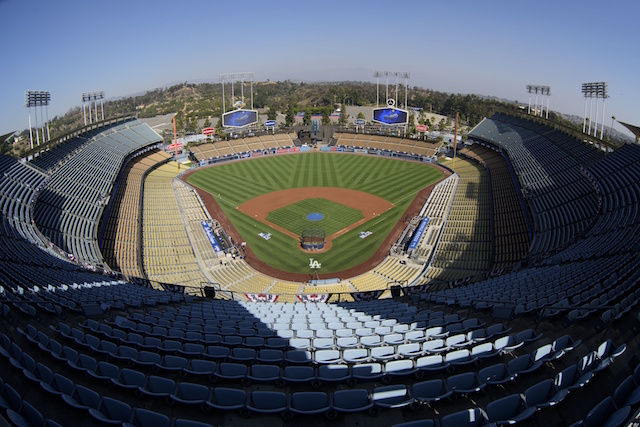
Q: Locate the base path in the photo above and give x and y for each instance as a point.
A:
(414, 208)
(370, 206)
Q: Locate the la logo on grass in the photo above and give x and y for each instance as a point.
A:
(314, 263)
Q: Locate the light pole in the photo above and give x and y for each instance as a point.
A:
(595, 90)
(233, 77)
(38, 98)
(544, 91)
(613, 119)
(385, 73)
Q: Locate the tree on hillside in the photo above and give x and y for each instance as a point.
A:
(422, 117)
(219, 129)
(306, 119)
(325, 117)
(290, 116)
(343, 117)
(412, 123)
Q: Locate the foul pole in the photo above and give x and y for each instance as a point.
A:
(175, 142)
(455, 142)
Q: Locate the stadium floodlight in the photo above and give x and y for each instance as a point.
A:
(586, 91)
(38, 98)
(397, 74)
(85, 98)
(101, 97)
(548, 89)
(595, 90)
(542, 90)
(91, 98)
(602, 92)
(234, 77)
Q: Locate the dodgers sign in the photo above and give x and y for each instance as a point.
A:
(212, 238)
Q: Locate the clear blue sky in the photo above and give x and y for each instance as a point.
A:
(467, 46)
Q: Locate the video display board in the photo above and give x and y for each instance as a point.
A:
(239, 118)
(390, 116)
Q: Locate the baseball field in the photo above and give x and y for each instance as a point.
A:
(356, 200)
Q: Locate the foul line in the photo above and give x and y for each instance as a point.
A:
(409, 195)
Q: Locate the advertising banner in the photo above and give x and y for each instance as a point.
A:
(212, 238)
(418, 234)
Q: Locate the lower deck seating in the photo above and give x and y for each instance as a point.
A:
(122, 242)
(168, 256)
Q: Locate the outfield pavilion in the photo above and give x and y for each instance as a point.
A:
(522, 294)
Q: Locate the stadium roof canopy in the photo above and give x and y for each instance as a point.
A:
(5, 137)
(634, 129)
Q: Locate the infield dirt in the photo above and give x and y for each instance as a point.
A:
(370, 206)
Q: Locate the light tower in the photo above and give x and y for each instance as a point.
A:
(595, 90)
(234, 77)
(38, 98)
(386, 73)
(544, 91)
(92, 99)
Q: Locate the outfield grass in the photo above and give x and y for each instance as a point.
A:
(294, 217)
(394, 180)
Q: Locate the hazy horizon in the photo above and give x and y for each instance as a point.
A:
(490, 48)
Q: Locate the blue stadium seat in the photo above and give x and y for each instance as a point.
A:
(264, 374)
(199, 367)
(333, 373)
(309, 402)
(129, 379)
(391, 396)
(147, 418)
(430, 391)
(474, 417)
(59, 385)
(544, 394)
(232, 371)
(351, 400)
(267, 402)
(190, 394)
(495, 374)
(508, 410)
(112, 411)
(298, 374)
(82, 398)
(223, 398)
(105, 371)
(158, 387)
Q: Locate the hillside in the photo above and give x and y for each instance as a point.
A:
(196, 105)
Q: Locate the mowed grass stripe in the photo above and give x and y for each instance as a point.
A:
(322, 172)
(334, 179)
(368, 174)
(240, 181)
(258, 177)
(351, 170)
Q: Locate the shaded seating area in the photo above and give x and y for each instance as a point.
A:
(562, 200)
(68, 208)
(121, 243)
(466, 246)
(511, 231)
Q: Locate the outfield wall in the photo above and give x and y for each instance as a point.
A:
(262, 153)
